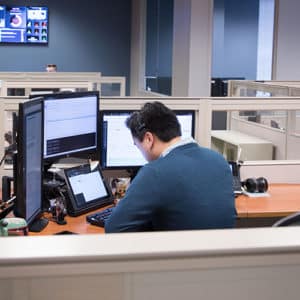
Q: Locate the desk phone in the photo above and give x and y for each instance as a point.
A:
(235, 169)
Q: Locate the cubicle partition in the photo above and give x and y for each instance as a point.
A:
(26, 83)
(203, 117)
(203, 264)
(203, 108)
(230, 263)
(280, 126)
(249, 88)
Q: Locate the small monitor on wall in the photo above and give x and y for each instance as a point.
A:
(24, 24)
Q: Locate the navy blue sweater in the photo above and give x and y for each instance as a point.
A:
(189, 188)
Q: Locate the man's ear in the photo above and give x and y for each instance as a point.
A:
(148, 139)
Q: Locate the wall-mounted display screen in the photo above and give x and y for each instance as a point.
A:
(24, 24)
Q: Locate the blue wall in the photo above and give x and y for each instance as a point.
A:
(235, 38)
(159, 45)
(159, 38)
(84, 36)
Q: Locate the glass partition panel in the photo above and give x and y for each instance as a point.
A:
(273, 119)
(110, 89)
(248, 88)
(256, 92)
(295, 91)
(297, 123)
(15, 92)
(42, 90)
(259, 135)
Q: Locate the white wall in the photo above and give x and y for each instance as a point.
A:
(192, 48)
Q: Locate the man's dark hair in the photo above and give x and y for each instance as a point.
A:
(156, 118)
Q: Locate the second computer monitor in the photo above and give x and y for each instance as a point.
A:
(70, 124)
(28, 165)
(117, 148)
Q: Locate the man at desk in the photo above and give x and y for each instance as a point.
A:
(184, 186)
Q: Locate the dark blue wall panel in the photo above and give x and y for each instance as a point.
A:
(84, 36)
(159, 38)
(235, 38)
(159, 44)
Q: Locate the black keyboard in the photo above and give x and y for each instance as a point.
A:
(100, 217)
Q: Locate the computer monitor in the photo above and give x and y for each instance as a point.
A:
(70, 123)
(28, 165)
(117, 148)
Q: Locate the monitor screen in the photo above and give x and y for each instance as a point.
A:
(70, 125)
(24, 24)
(117, 148)
(87, 189)
(28, 164)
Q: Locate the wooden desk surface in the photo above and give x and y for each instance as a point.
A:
(74, 224)
(284, 200)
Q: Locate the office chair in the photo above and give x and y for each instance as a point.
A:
(290, 220)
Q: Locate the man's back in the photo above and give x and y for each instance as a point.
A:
(189, 188)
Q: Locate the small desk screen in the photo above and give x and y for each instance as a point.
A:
(87, 186)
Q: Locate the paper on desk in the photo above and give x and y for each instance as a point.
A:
(256, 195)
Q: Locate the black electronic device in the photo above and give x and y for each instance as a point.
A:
(65, 232)
(99, 218)
(235, 169)
(255, 185)
(6, 207)
(70, 123)
(7, 182)
(86, 190)
(28, 165)
(274, 124)
(117, 148)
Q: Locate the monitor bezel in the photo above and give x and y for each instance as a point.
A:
(73, 206)
(20, 164)
(93, 153)
(188, 111)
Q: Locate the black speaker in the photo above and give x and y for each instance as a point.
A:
(256, 185)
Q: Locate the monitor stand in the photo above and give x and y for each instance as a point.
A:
(38, 225)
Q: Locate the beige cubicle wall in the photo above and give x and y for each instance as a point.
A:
(113, 86)
(203, 108)
(250, 88)
(25, 83)
(201, 264)
(281, 126)
(28, 82)
(203, 112)
(261, 263)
